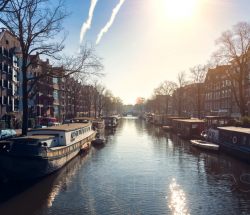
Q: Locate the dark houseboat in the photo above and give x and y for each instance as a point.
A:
(188, 128)
(236, 141)
(168, 122)
(110, 121)
(211, 133)
(44, 150)
(97, 123)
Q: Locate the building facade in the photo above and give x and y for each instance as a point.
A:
(10, 76)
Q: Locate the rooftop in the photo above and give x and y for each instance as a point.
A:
(64, 127)
(236, 129)
(36, 137)
(189, 120)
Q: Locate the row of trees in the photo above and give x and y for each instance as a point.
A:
(100, 101)
(37, 24)
(233, 49)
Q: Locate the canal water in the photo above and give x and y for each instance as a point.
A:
(140, 170)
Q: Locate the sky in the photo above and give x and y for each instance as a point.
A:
(149, 41)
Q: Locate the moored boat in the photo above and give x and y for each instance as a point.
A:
(98, 141)
(188, 128)
(44, 150)
(235, 141)
(205, 145)
(110, 121)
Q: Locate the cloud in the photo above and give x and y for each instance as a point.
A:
(87, 25)
(110, 22)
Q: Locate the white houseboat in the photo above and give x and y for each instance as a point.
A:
(44, 150)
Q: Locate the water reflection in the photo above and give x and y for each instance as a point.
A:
(33, 196)
(130, 174)
(177, 201)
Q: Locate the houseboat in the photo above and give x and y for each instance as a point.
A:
(211, 133)
(168, 121)
(188, 128)
(97, 123)
(235, 141)
(110, 121)
(44, 150)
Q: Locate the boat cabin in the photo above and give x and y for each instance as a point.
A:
(236, 141)
(110, 121)
(169, 119)
(29, 145)
(211, 132)
(188, 128)
(66, 134)
(217, 121)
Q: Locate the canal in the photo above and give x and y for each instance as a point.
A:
(140, 170)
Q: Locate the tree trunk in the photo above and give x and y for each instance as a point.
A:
(166, 110)
(199, 103)
(25, 99)
(241, 98)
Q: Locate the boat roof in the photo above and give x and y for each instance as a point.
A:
(84, 118)
(190, 120)
(217, 117)
(64, 127)
(236, 129)
(36, 137)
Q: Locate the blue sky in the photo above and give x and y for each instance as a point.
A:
(150, 40)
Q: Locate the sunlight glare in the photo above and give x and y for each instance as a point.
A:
(180, 9)
(177, 204)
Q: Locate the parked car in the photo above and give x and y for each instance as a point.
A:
(7, 133)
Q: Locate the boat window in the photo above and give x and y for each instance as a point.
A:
(244, 141)
(194, 126)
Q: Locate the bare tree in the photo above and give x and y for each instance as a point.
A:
(4, 4)
(166, 89)
(35, 23)
(108, 106)
(178, 97)
(198, 75)
(233, 49)
(98, 100)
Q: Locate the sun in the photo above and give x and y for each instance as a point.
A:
(180, 9)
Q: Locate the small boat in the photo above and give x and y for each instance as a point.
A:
(98, 141)
(44, 150)
(110, 121)
(205, 145)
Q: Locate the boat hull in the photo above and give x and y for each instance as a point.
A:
(236, 151)
(23, 168)
(205, 145)
(18, 166)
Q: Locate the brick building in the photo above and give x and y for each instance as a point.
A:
(219, 98)
(10, 75)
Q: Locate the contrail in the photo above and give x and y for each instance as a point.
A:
(86, 25)
(110, 22)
